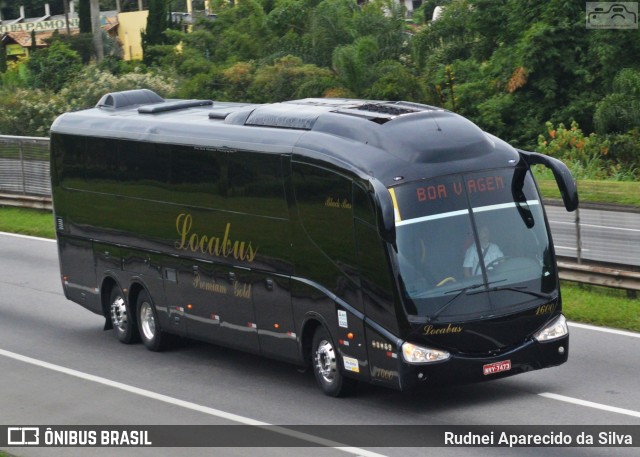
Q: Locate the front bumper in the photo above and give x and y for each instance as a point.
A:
(529, 356)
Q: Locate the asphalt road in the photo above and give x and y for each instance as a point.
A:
(607, 236)
(74, 373)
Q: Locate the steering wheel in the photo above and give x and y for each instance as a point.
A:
(446, 280)
(496, 262)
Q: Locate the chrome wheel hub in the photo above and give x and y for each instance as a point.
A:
(119, 313)
(147, 321)
(326, 361)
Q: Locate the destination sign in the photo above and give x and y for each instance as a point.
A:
(438, 191)
(451, 194)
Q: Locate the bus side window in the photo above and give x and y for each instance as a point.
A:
(375, 279)
(362, 206)
(325, 206)
(256, 184)
(71, 169)
(142, 163)
(102, 161)
(199, 177)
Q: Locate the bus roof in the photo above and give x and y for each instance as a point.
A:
(385, 139)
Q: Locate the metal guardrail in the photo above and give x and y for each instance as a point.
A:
(600, 276)
(26, 201)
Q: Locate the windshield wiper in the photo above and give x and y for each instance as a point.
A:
(522, 289)
(435, 315)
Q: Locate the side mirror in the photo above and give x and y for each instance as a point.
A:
(385, 214)
(565, 181)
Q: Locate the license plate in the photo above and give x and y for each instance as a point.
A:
(497, 367)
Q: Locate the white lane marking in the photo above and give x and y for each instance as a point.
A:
(604, 329)
(28, 237)
(189, 405)
(590, 404)
(597, 226)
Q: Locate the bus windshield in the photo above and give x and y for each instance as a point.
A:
(472, 246)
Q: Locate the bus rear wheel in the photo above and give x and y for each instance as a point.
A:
(150, 333)
(325, 366)
(122, 318)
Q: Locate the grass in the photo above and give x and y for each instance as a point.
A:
(601, 306)
(27, 222)
(582, 303)
(595, 191)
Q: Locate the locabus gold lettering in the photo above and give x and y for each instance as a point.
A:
(213, 245)
(430, 330)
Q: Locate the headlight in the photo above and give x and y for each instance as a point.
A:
(419, 354)
(556, 330)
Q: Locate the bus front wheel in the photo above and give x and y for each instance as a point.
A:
(325, 366)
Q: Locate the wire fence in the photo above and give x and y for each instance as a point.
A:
(24, 166)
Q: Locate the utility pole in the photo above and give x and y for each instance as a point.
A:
(97, 30)
(66, 15)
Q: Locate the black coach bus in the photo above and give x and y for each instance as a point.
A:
(388, 242)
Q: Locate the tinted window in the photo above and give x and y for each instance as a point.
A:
(324, 201)
(256, 184)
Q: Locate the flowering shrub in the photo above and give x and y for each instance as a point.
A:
(588, 157)
(31, 112)
(81, 95)
(571, 144)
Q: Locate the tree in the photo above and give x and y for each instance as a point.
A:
(331, 26)
(157, 23)
(96, 29)
(352, 63)
(84, 15)
(34, 47)
(619, 112)
(3, 57)
(286, 79)
(395, 81)
(52, 67)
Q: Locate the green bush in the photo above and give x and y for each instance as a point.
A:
(589, 156)
(619, 111)
(53, 67)
(30, 112)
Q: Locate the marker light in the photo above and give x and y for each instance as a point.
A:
(418, 354)
(556, 330)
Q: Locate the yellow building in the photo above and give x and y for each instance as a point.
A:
(16, 34)
(129, 27)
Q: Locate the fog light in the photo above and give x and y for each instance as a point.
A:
(561, 350)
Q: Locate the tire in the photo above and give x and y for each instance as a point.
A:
(151, 334)
(122, 317)
(326, 366)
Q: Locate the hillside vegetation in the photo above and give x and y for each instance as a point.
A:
(527, 71)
